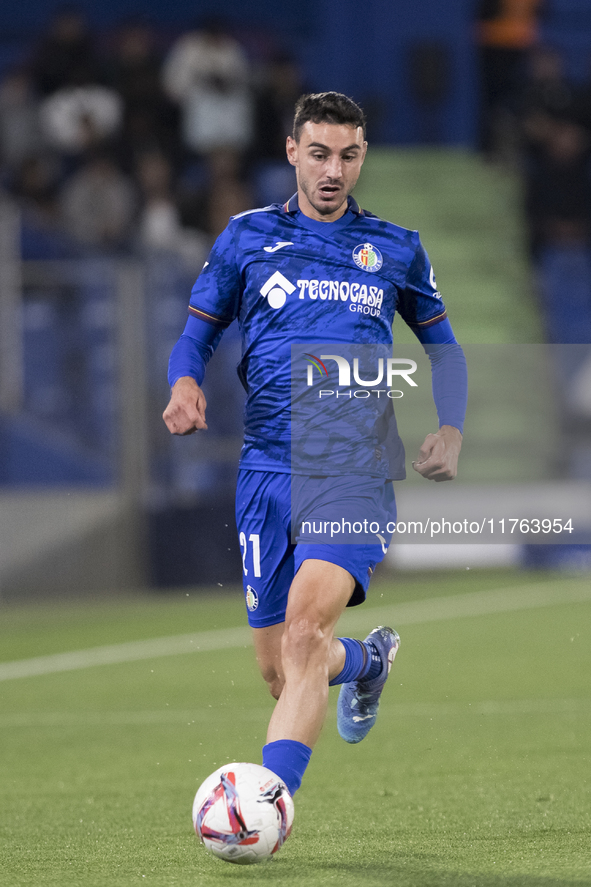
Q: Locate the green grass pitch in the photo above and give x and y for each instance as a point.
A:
(477, 773)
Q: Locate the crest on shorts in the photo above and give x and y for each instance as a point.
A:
(252, 598)
(367, 257)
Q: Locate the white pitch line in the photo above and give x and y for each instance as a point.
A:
(491, 707)
(171, 717)
(140, 718)
(482, 603)
(132, 651)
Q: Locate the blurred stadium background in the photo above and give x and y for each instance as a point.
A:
(131, 131)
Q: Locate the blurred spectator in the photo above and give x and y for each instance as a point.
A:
(229, 193)
(208, 74)
(506, 31)
(80, 116)
(67, 47)
(20, 132)
(547, 90)
(134, 69)
(98, 203)
(582, 107)
(150, 119)
(35, 184)
(558, 188)
(159, 226)
(546, 96)
(279, 87)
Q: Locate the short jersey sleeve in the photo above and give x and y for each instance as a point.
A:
(215, 297)
(419, 303)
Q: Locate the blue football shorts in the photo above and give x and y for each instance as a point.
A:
(346, 521)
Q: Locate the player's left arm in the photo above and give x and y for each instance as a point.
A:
(438, 457)
(423, 310)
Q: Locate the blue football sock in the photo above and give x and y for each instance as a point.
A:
(288, 759)
(374, 663)
(362, 662)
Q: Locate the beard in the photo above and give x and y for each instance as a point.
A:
(324, 208)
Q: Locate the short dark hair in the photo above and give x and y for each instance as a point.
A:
(326, 107)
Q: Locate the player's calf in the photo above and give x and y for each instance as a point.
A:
(267, 642)
(275, 683)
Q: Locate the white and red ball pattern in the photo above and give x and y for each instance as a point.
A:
(243, 813)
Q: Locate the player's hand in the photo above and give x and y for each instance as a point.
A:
(185, 413)
(438, 457)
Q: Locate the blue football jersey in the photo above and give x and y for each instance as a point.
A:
(289, 279)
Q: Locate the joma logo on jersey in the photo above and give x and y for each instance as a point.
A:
(276, 290)
(362, 298)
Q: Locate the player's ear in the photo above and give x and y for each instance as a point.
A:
(291, 147)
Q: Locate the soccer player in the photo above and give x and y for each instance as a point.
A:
(316, 269)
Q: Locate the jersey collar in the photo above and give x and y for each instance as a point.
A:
(292, 205)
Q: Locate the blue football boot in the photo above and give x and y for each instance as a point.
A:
(359, 701)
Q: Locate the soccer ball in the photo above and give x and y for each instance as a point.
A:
(243, 813)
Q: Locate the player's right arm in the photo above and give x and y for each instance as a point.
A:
(185, 412)
(214, 305)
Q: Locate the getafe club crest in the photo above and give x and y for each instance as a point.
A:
(367, 257)
(252, 598)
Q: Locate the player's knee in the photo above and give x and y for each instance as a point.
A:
(303, 637)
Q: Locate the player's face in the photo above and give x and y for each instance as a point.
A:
(327, 160)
